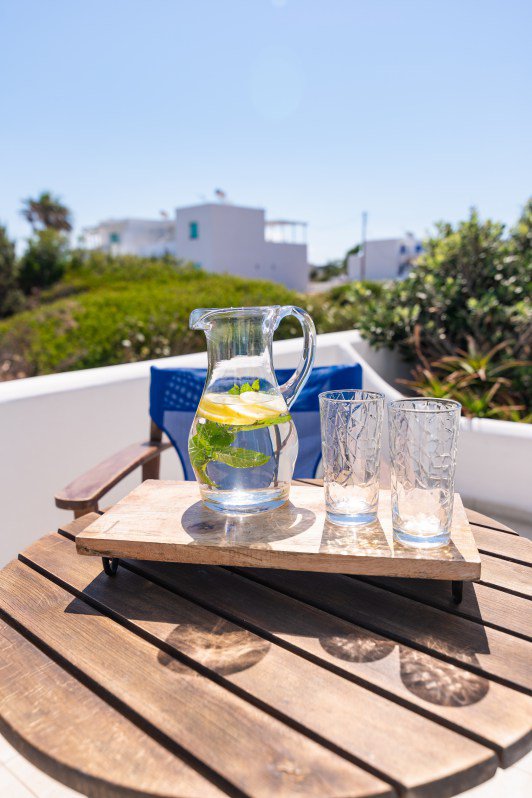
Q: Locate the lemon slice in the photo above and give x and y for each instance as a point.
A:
(242, 409)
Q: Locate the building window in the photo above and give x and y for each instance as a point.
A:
(419, 248)
(402, 249)
(193, 230)
(114, 238)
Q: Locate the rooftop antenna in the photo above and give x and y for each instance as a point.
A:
(220, 195)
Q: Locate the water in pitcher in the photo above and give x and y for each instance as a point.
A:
(243, 447)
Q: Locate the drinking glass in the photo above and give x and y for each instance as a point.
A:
(351, 426)
(423, 439)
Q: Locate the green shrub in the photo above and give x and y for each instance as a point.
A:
(122, 320)
(44, 261)
(341, 307)
(470, 290)
(11, 299)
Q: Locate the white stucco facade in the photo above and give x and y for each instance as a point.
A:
(220, 237)
(217, 237)
(386, 259)
(148, 238)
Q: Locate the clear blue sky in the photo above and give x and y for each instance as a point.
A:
(314, 109)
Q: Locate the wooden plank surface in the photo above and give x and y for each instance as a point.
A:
(505, 575)
(76, 737)
(244, 749)
(424, 755)
(490, 523)
(480, 603)
(489, 712)
(499, 544)
(268, 682)
(481, 649)
(162, 520)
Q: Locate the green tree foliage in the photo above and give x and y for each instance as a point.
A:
(44, 261)
(470, 290)
(114, 310)
(521, 236)
(11, 299)
(47, 212)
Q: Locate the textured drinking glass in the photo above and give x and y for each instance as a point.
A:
(351, 427)
(423, 438)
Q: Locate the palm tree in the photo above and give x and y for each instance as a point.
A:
(47, 212)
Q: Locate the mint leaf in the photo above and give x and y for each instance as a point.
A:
(245, 388)
(212, 441)
(206, 478)
(255, 385)
(234, 391)
(241, 458)
(199, 453)
(200, 456)
(216, 435)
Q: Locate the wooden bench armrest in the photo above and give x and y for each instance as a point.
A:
(83, 493)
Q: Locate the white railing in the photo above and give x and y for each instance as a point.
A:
(55, 427)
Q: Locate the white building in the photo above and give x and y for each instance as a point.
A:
(143, 237)
(385, 259)
(218, 237)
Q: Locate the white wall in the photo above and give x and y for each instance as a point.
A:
(231, 240)
(285, 263)
(53, 428)
(144, 237)
(383, 259)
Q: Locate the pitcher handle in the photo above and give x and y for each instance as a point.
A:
(290, 389)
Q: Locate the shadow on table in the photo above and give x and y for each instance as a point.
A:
(169, 603)
(217, 645)
(207, 528)
(425, 676)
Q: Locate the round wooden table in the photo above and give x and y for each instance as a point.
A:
(173, 680)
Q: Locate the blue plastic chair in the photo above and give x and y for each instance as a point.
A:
(175, 395)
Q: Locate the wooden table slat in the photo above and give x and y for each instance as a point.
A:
(508, 576)
(503, 611)
(487, 651)
(482, 604)
(245, 747)
(492, 713)
(500, 544)
(39, 701)
(307, 694)
(253, 682)
(490, 523)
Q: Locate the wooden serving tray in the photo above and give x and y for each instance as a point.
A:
(163, 520)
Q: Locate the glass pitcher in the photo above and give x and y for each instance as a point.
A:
(243, 442)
